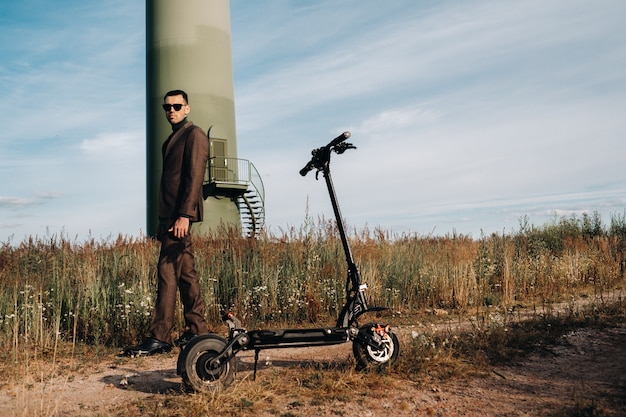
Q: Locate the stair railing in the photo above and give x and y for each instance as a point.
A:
(237, 171)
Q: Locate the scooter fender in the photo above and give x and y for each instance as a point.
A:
(369, 309)
(346, 319)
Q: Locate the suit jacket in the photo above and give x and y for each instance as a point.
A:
(185, 155)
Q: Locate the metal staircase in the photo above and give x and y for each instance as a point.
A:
(239, 180)
(252, 212)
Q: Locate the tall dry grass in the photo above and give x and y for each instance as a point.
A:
(54, 289)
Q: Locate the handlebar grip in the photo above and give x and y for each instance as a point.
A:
(306, 169)
(339, 139)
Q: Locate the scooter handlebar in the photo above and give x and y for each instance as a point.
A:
(311, 164)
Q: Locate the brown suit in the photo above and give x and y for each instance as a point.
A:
(185, 155)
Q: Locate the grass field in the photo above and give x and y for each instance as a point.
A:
(103, 292)
(56, 294)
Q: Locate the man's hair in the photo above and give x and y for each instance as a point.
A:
(177, 93)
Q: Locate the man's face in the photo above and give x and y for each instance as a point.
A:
(175, 116)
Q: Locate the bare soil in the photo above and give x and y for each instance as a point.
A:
(583, 374)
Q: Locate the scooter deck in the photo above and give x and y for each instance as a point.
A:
(283, 338)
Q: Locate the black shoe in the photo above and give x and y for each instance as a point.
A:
(184, 339)
(149, 347)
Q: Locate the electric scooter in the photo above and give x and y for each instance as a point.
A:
(207, 363)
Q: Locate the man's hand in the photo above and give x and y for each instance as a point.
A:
(180, 228)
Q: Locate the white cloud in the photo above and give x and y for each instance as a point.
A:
(16, 202)
(49, 195)
(115, 145)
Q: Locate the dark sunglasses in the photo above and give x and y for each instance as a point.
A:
(177, 106)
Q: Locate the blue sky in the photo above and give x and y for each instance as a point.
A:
(467, 115)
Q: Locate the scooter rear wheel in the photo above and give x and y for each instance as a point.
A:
(193, 365)
(370, 358)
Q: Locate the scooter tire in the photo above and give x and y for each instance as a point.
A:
(369, 358)
(192, 365)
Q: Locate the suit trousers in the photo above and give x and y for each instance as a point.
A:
(176, 271)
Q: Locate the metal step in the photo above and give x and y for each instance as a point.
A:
(252, 213)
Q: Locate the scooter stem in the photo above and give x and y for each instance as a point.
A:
(340, 225)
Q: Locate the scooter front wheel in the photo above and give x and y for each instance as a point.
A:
(368, 357)
(194, 360)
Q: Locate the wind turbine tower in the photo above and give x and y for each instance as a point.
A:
(188, 47)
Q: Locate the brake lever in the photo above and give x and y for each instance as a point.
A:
(342, 147)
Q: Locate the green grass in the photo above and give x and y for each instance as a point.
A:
(103, 293)
(83, 300)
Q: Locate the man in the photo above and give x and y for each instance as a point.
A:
(185, 154)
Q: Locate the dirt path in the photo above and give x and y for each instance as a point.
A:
(585, 371)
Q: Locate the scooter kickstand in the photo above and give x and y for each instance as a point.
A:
(256, 361)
